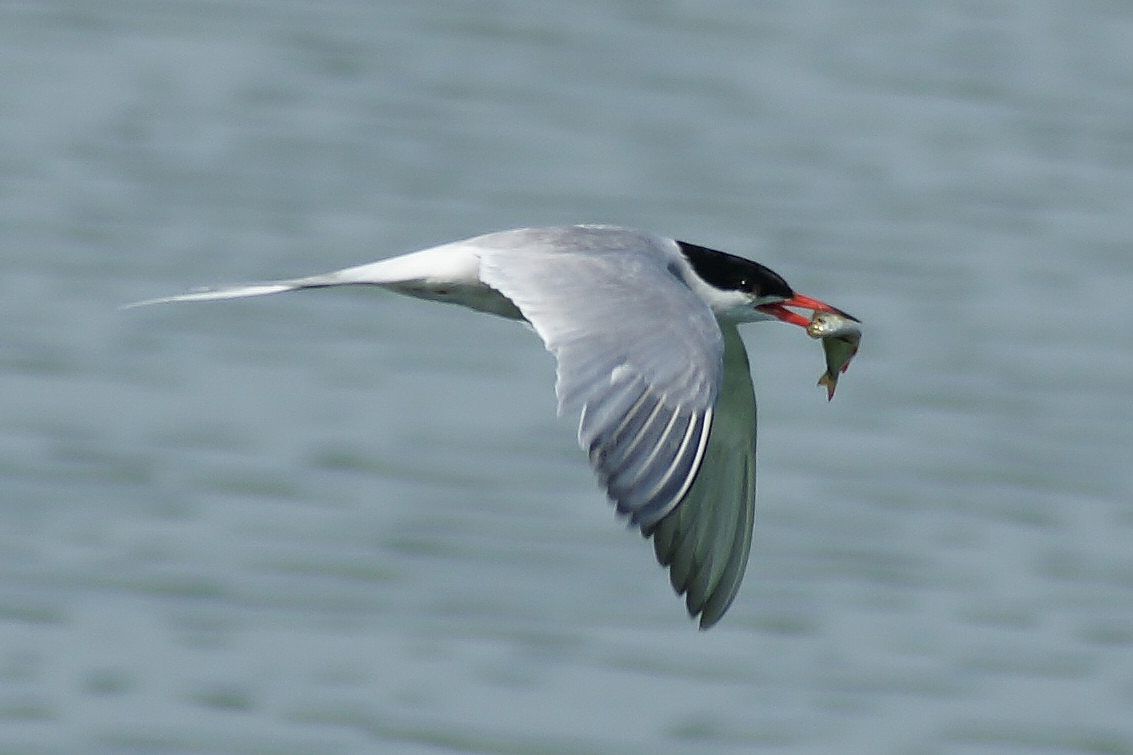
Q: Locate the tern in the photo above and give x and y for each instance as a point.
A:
(643, 330)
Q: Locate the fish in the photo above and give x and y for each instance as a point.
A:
(841, 334)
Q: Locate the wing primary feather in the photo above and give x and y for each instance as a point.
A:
(618, 405)
(740, 399)
(664, 534)
(635, 485)
(729, 583)
(712, 549)
(696, 552)
(640, 431)
(642, 450)
(680, 475)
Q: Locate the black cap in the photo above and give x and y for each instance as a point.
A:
(731, 273)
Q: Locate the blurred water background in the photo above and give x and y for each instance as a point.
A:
(343, 521)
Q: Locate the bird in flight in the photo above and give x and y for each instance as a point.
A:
(643, 329)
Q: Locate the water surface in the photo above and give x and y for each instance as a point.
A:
(347, 522)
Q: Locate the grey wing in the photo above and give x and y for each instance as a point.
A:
(706, 540)
(638, 353)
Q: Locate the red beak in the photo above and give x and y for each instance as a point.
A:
(779, 310)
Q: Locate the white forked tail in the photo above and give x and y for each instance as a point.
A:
(228, 292)
(416, 274)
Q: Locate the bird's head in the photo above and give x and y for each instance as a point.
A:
(744, 291)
